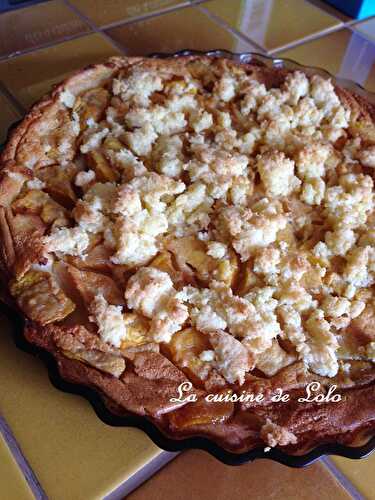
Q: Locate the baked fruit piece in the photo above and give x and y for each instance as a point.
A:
(199, 220)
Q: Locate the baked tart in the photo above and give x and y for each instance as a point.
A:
(202, 225)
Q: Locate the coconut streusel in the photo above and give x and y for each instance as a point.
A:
(190, 143)
(219, 218)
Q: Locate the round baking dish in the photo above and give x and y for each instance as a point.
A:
(101, 406)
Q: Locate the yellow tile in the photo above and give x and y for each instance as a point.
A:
(13, 485)
(31, 75)
(316, 53)
(273, 24)
(111, 11)
(184, 29)
(37, 25)
(72, 453)
(343, 53)
(8, 116)
(264, 479)
(359, 472)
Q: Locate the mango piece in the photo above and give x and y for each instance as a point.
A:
(103, 361)
(96, 259)
(184, 349)
(112, 143)
(90, 284)
(80, 344)
(102, 168)
(136, 330)
(40, 298)
(191, 255)
(247, 279)
(40, 203)
(201, 412)
(91, 105)
(163, 262)
(186, 344)
(227, 270)
(59, 184)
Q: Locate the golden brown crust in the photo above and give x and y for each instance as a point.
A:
(152, 380)
(149, 381)
(93, 75)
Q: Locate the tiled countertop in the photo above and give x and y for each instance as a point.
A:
(67, 449)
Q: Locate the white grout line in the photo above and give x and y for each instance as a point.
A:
(308, 38)
(143, 17)
(21, 460)
(93, 26)
(342, 479)
(247, 38)
(47, 45)
(193, 3)
(218, 20)
(348, 22)
(12, 99)
(123, 22)
(323, 34)
(359, 21)
(142, 475)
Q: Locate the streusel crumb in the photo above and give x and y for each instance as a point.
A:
(239, 209)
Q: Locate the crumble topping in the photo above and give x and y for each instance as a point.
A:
(67, 98)
(230, 356)
(84, 178)
(150, 292)
(110, 321)
(70, 241)
(250, 228)
(274, 434)
(36, 184)
(241, 211)
(277, 173)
